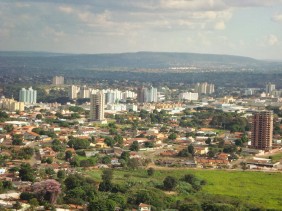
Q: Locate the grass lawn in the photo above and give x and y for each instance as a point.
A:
(276, 157)
(260, 188)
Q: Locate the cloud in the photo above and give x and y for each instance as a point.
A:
(253, 3)
(220, 25)
(66, 9)
(272, 40)
(277, 18)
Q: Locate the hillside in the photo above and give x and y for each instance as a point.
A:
(124, 60)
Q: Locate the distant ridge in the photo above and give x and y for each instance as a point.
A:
(141, 59)
(142, 53)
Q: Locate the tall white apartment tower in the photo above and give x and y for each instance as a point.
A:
(151, 94)
(97, 106)
(73, 90)
(84, 92)
(28, 95)
(269, 88)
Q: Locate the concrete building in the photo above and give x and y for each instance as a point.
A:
(97, 106)
(204, 88)
(262, 130)
(11, 105)
(190, 96)
(72, 93)
(147, 95)
(269, 88)
(28, 95)
(84, 92)
(58, 80)
(140, 94)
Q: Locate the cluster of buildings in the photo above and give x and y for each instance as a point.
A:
(204, 88)
(11, 105)
(269, 91)
(111, 96)
(147, 94)
(28, 96)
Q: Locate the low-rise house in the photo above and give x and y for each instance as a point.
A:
(100, 145)
(144, 207)
(30, 135)
(261, 163)
(201, 150)
(89, 153)
(115, 162)
(222, 156)
(207, 162)
(169, 153)
(47, 152)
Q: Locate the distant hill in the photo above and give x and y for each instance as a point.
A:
(156, 67)
(127, 60)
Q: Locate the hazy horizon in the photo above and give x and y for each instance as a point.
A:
(251, 28)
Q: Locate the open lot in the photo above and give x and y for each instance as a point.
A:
(260, 188)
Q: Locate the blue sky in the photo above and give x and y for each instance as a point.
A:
(238, 27)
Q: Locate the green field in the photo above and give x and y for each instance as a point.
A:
(276, 157)
(259, 188)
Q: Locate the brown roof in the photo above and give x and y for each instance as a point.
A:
(144, 205)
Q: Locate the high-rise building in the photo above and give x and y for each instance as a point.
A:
(73, 90)
(97, 106)
(269, 88)
(204, 88)
(147, 95)
(58, 80)
(190, 96)
(140, 94)
(210, 88)
(262, 129)
(28, 95)
(84, 92)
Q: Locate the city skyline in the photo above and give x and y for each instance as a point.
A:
(250, 28)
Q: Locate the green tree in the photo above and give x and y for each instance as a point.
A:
(208, 141)
(38, 116)
(106, 184)
(133, 163)
(26, 173)
(68, 155)
(109, 141)
(102, 205)
(149, 144)
(172, 136)
(106, 159)
(119, 139)
(8, 128)
(134, 146)
(61, 174)
(125, 156)
(17, 142)
(33, 203)
(191, 149)
(190, 207)
(79, 143)
(150, 171)
(49, 160)
(169, 183)
(190, 178)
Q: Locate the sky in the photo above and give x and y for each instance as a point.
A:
(236, 27)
